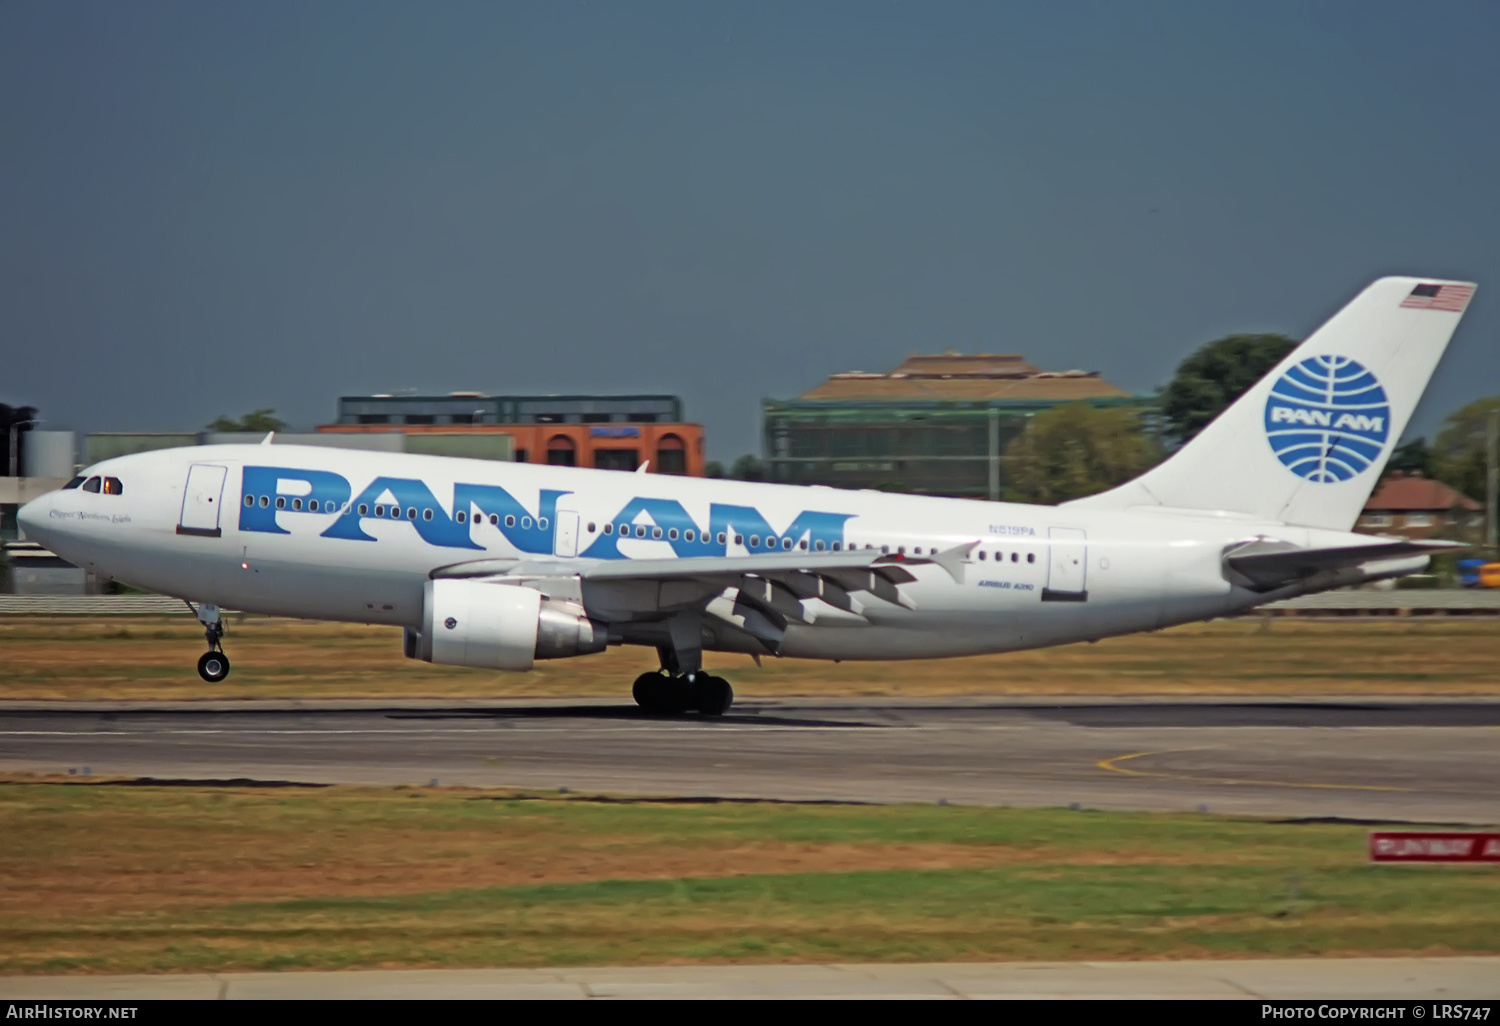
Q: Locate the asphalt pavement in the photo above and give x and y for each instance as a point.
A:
(1423, 760)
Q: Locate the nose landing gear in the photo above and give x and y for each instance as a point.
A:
(213, 665)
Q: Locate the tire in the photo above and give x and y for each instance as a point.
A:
(213, 666)
(712, 695)
(647, 691)
(676, 696)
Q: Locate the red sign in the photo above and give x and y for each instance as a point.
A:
(1453, 846)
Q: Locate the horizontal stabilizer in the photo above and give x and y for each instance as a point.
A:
(1266, 566)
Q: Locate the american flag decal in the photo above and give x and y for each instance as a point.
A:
(1439, 297)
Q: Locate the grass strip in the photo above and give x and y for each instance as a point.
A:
(153, 658)
(96, 878)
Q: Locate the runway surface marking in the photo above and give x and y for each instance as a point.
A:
(1112, 765)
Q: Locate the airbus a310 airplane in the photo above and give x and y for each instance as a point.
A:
(500, 564)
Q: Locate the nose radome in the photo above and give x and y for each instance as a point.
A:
(32, 517)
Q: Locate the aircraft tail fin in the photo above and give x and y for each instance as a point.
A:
(1307, 443)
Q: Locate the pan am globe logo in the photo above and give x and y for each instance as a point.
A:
(1327, 418)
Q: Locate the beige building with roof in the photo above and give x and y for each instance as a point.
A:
(938, 424)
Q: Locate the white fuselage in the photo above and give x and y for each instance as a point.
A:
(203, 524)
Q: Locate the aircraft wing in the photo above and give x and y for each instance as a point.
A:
(768, 578)
(1266, 566)
(777, 579)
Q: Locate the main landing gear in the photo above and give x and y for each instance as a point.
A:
(675, 694)
(213, 665)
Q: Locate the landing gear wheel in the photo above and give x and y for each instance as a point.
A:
(712, 696)
(646, 690)
(213, 666)
(659, 693)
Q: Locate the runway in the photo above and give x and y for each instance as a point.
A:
(1434, 761)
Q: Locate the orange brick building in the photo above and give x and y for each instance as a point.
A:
(607, 432)
(1414, 506)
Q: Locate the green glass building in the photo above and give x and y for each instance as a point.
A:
(937, 425)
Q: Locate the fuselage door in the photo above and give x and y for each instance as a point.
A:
(201, 500)
(1067, 565)
(565, 541)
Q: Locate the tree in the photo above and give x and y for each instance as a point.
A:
(713, 468)
(257, 421)
(1413, 457)
(1071, 451)
(748, 468)
(1215, 376)
(1460, 453)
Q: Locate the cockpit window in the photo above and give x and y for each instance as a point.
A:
(112, 486)
(73, 483)
(91, 485)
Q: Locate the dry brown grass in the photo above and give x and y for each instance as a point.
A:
(153, 658)
(194, 851)
(107, 878)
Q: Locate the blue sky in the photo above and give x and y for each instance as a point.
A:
(213, 207)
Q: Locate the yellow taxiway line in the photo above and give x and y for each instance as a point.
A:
(1112, 765)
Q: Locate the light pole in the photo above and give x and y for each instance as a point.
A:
(1492, 479)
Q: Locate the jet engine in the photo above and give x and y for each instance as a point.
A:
(499, 626)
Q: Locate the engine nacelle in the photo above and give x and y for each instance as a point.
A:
(500, 626)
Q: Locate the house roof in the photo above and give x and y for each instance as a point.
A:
(1401, 492)
(973, 376)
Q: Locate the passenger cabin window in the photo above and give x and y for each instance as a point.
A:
(91, 485)
(73, 483)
